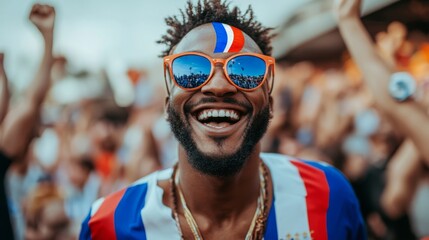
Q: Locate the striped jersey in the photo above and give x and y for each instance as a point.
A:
(312, 200)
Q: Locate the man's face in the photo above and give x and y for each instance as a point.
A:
(217, 146)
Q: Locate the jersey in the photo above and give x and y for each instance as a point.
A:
(311, 200)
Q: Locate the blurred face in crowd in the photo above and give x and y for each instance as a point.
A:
(78, 171)
(45, 218)
(105, 135)
(217, 146)
(52, 223)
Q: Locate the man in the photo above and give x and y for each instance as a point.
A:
(18, 128)
(4, 162)
(219, 104)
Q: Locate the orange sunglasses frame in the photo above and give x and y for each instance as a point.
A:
(168, 61)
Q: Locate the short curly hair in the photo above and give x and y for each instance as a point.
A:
(209, 11)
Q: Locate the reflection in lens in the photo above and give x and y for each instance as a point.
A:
(190, 71)
(246, 71)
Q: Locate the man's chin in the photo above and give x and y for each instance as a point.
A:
(218, 154)
(219, 157)
(217, 164)
(219, 148)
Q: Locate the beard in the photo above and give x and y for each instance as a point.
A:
(222, 165)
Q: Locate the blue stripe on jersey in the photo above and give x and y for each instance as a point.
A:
(271, 231)
(221, 37)
(128, 221)
(349, 216)
(85, 232)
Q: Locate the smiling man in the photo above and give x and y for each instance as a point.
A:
(219, 78)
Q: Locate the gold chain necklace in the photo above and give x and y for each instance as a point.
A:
(259, 213)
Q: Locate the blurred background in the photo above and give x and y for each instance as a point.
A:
(102, 120)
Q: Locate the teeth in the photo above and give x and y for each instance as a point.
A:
(222, 113)
(218, 113)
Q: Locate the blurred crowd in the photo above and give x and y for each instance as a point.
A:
(326, 112)
(65, 156)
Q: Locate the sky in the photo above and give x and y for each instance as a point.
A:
(102, 34)
(95, 34)
(96, 31)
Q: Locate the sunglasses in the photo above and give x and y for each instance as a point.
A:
(192, 70)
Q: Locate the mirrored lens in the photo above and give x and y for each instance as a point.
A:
(246, 71)
(190, 71)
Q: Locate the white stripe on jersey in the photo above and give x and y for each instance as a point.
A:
(289, 194)
(156, 217)
(96, 205)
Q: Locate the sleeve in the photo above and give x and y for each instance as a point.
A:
(344, 215)
(85, 231)
(357, 230)
(349, 210)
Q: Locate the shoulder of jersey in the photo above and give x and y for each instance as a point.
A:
(310, 169)
(118, 205)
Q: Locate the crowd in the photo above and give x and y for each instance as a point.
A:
(192, 80)
(60, 165)
(330, 113)
(249, 81)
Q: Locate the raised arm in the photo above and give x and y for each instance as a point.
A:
(19, 125)
(403, 173)
(43, 16)
(407, 116)
(4, 90)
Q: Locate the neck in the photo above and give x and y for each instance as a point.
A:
(220, 199)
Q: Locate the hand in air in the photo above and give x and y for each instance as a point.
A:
(43, 17)
(347, 8)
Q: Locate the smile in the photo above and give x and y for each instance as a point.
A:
(219, 122)
(218, 118)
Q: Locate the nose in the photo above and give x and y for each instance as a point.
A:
(218, 85)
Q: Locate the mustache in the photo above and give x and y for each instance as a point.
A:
(229, 100)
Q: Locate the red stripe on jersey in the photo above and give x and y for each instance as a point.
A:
(317, 199)
(102, 224)
(238, 41)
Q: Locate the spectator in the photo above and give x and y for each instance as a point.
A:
(21, 121)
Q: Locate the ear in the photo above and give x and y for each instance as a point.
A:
(271, 103)
(166, 105)
(271, 80)
(167, 99)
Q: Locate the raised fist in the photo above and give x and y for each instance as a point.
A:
(347, 8)
(43, 17)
